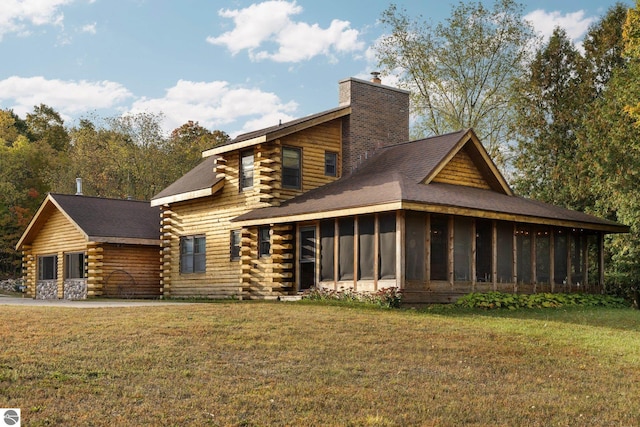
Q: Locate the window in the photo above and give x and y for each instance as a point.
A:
(330, 163)
(264, 237)
(74, 266)
(246, 169)
(291, 167)
(48, 267)
(236, 238)
(192, 254)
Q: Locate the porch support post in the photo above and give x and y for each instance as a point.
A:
(585, 262)
(376, 250)
(534, 259)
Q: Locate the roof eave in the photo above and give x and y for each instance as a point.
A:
(270, 135)
(189, 195)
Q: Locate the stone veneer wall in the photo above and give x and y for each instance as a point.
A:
(379, 116)
(47, 289)
(75, 289)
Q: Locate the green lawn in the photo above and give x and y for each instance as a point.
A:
(303, 364)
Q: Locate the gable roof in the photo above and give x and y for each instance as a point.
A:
(99, 219)
(401, 177)
(200, 181)
(278, 131)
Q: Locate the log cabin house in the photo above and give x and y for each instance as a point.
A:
(77, 247)
(342, 199)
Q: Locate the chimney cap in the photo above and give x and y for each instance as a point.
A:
(376, 77)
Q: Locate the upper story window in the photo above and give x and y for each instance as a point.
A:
(74, 265)
(48, 267)
(192, 254)
(246, 169)
(291, 167)
(330, 163)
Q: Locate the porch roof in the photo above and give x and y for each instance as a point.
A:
(395, 179)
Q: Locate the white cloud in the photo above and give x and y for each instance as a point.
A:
(216, 104)
(67, 97)
(575, 24)
(89, 28)
(17, 15)
(270, 22)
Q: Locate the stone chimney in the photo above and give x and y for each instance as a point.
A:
(379, 116)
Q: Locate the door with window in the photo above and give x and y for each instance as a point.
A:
(307, 258)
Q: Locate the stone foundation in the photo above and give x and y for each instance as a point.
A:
(47, 289)
(75, 289)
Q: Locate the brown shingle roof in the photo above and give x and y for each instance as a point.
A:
(395, 175)
(201, 177)
(101, 218)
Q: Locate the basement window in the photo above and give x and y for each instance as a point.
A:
(48, 267)
(74, 266)
(192, 254)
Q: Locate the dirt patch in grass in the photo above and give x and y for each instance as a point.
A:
(246, 364)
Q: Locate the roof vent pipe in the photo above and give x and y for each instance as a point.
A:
(376, 77)
(78, 186)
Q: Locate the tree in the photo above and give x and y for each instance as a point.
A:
(187, 142)
(550, 103)
(603, 46)
(610, 151)
(459, 72)
(631, 36)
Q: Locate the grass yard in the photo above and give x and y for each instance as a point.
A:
(306, 364)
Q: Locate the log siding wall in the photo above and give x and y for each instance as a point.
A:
(251, 276)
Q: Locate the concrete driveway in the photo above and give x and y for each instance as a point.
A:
(10, 300)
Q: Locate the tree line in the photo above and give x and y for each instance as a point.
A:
(563, 121)
(117, 157)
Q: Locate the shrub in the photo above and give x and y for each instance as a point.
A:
(385, 297)
(495, 300)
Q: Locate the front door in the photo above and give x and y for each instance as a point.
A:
(307, 258)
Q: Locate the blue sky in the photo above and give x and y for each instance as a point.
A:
(233, 65)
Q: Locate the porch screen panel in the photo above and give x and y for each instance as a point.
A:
(505, 252)
(462, 235)
(415, 258)
(345, 267)
(543, 256)
(439, 247)
(577, 258)
(560, 256)
(594, 260)
(387, 246)
(327, 239)
(366, 246)
(483, 251)
(523, 240)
